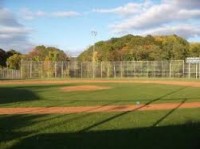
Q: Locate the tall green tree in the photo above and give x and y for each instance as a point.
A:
(11, 52)
(194, 50)
(2, 58)
(4, 55)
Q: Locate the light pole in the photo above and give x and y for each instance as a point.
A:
(94, 34)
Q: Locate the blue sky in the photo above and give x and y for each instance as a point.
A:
(67, 24)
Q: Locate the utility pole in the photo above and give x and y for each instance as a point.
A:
(94, 34)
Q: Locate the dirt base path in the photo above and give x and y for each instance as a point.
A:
(92, 109)
(164, 82)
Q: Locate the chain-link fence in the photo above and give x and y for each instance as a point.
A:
(121, 69)
(6, 73)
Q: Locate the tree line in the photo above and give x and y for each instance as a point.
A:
(126, 48)
(12, 58)
(137, 48)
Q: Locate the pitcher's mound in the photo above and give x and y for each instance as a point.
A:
(85, 88)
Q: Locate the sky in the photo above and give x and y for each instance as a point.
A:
(68, 24)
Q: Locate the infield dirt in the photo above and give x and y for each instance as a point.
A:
(93, 109)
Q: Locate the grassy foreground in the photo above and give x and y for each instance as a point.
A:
(177, 128)
(120, 93)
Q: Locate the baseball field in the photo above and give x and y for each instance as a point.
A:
(100, 114)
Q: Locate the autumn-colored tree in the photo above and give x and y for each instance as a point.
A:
(131, 47)
(42, 53)
(173, 47)
(14, 61)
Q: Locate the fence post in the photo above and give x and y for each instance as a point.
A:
(154, 71)
(121, 69)
(31, 69)
(170, 69)
(81, 70)
(48, 70)
(21, 71)
(3, 73)
(114, 70)
(93, 69)
(15, 74)
(183, 69)
(141, 69)
(108, 66)
(12, 74)
(162, 67)
(62, 75)
(55, 69)
(41, 69)
(189, 70)
(101, 70)
(134, 72)
(147, 70)
(126, 68)
(196, 71)
(199, 70)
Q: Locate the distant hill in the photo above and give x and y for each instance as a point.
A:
(132, 47)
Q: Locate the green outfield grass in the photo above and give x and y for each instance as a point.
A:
(174, 129)
(120, 93)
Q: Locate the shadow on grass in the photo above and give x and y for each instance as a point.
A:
(184, 136)
(22, 93)
(14, 94)
(9, 123)
(140, 107)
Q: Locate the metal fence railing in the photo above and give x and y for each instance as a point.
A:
(105, 69)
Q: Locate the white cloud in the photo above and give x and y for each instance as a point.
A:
(7, 18)
(28, 14)
(127, 9)
(130, 8)
(151, 18)
(13, 30)
(184, 30)
(187, 14)
(188, 4)
(65, 14)
(13, 35)
(1, 3)
(157, 16)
